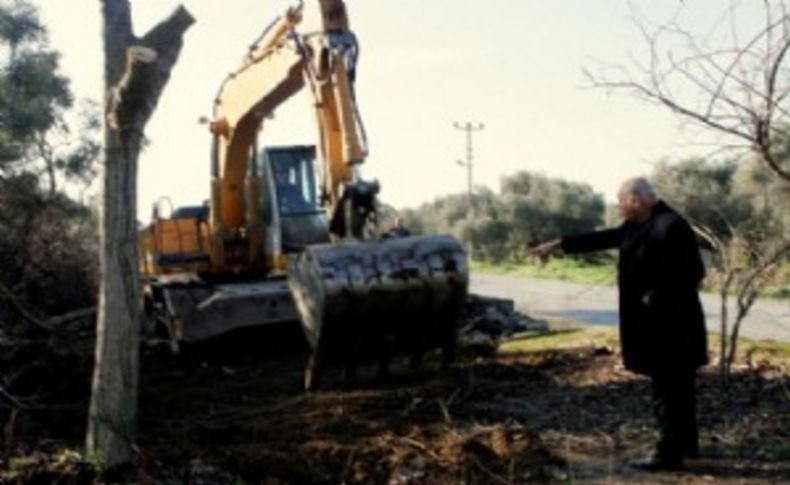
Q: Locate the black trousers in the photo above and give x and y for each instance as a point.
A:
(674, 404)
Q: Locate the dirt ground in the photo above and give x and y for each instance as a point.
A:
(235, 412)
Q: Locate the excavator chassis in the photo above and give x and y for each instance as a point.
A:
(191, 309)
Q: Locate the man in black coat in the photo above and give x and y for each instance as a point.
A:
(662, 326)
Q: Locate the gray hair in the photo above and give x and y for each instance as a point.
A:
(640, 187)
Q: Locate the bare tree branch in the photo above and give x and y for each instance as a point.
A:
(13, 401)
(13, 300)
(71, 316)
(743, 86)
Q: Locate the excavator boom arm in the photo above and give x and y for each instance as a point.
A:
(279, 65)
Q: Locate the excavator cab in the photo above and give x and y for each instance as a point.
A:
(292, 204)
(295, 184)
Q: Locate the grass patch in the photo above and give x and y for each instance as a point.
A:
(600, 337)
(63, 466)
(780, 349)
(602, 272)
(778, 292)
(755, 348)
(560, 339)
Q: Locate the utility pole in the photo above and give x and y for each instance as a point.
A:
(469, 128)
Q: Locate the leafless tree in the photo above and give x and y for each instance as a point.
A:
(744, 266)
(136, 72)
(730, 85)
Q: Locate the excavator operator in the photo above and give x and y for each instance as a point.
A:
(290, 192)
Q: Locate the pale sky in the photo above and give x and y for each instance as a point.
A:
(514, 65)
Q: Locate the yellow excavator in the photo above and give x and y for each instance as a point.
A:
(291, 233)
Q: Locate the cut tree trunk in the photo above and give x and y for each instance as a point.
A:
(136, 72)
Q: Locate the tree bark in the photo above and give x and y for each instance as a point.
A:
(136, 72)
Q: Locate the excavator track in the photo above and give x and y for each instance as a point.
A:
(364, 300)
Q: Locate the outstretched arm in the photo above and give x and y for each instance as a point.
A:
(593, 241)
(583, 243)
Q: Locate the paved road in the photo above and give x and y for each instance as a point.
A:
(597, 305)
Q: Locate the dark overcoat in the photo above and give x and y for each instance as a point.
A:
(662, 326)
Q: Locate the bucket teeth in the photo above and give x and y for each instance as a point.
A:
(367, 299)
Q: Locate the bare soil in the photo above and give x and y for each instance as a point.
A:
(234, 412)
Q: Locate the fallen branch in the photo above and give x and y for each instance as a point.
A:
(494, 476)
(443, 407)
(7, 396)
(8, 433)
(71, 316)
(470, 385)
(228, 417)
(420, 446)
(9, 296)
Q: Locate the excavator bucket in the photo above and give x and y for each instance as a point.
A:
(364, 300)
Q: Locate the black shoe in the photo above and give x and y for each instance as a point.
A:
(657, 463)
